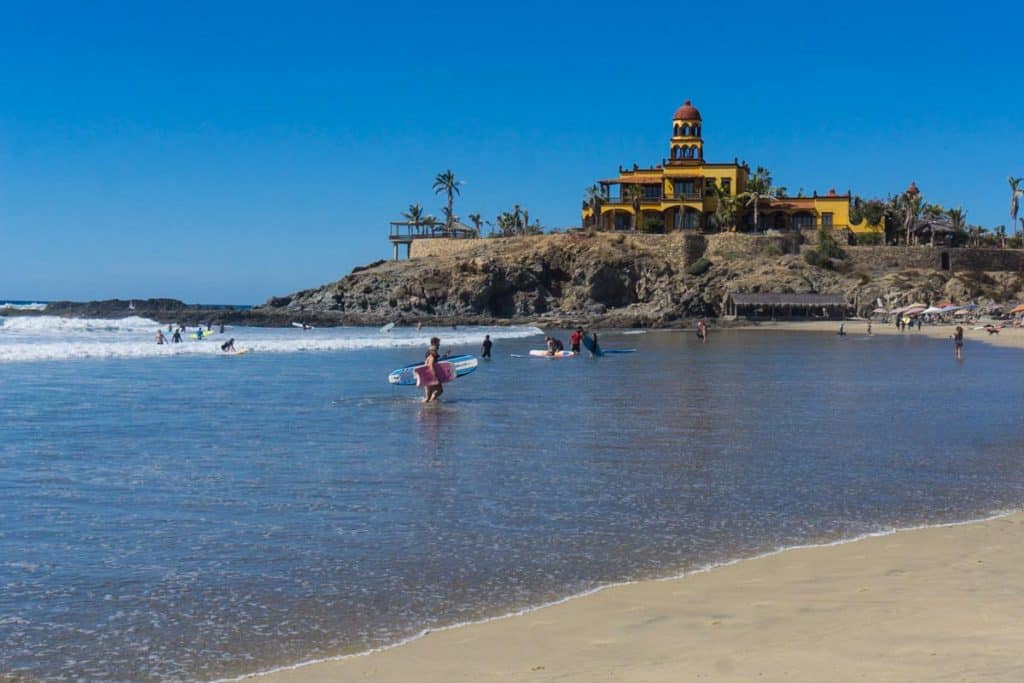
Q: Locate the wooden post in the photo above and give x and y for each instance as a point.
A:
(394, 245)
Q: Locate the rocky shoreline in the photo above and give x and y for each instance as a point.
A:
(595, 280)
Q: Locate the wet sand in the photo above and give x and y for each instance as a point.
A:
(939, 603)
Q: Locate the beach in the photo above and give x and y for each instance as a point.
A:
(941, 603)
(934, 603)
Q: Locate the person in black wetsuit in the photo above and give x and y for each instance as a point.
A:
(485, 349)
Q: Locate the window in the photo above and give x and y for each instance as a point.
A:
(691, 219)
(803, 221)
(727, 185)
(826, 220)
(651, 191)
(685, 188)
(709, 186)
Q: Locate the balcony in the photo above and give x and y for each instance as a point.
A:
(654, 198)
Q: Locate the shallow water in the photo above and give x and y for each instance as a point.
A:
(192, 517)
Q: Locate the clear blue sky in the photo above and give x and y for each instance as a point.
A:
(227, 152)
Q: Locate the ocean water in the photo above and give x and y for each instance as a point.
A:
(168, 514)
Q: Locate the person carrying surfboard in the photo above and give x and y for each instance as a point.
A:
(431, 392)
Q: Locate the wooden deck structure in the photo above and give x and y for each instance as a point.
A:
(404, 232)
(774, 306)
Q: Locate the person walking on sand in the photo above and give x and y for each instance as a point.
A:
(575, 339)
(869, 328)
(958, 343)
(432, 392)
(485, 348)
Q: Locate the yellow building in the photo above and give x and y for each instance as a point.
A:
(680, 193)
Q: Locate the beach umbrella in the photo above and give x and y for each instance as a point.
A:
(949, 308)
(1017, 309)
(932, 309)
(880, 310)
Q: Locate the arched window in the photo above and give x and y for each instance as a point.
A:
(686, 129)
(698, 152)
(696, 131)
(686, 152)
(675, 130)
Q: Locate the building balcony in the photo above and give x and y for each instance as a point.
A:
(655, 199)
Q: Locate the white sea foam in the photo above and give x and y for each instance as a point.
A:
(49, 338)
(22, 307)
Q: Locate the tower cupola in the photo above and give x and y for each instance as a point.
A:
(687, 145)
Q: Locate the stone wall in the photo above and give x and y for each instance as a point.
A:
(931, 258)
(442, 246)
(733, 244)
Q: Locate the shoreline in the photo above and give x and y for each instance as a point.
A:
(556, 640)
(453, 652)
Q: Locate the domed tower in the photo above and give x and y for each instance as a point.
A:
(687, 144)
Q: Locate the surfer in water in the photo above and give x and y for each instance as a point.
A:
(485, 349)
(229, 345)
(433, 391)
(554, 346)
(199, 332)
(176, 338)
(160, 338)
(702, 331)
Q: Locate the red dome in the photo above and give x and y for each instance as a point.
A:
(687, 112)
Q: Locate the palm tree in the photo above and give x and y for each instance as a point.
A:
(912, 206)
(1000, 231)
(725, 208)
(759, 186)
(446, 182)
(593, 198)
(634, 193)
(429, 221)
(957, 220)
(1016, 191)
(414, 215)
(477, 221)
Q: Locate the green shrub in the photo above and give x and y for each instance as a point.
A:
(814, 258)
(771, 249)
(870, 239)
(653, 225)
(699, 267)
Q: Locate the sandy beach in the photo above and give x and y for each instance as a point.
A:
(938, 603)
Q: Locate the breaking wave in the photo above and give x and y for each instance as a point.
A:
(52, 338)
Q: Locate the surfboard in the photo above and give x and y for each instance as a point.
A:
(590, 345)
(406, 376)
(302, 326)
(442, 372)
(607, 351)
(205, 334)
(539, 353)
(238, 352)
(387, 328)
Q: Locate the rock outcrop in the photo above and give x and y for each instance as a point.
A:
(610, 280)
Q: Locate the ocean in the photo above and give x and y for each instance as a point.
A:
(169, 513)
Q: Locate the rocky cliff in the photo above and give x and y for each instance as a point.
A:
(615, 280)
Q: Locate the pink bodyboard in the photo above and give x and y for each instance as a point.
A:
(425, 376)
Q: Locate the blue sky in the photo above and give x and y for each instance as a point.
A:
(228, 152)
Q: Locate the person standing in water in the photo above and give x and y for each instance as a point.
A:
(485, 349)
(160, 338)
(575, 339)
(176, 338)
(432, 392)
(702, 331)
(958, 343)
